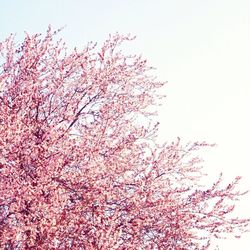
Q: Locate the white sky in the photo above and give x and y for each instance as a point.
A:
(201, 47)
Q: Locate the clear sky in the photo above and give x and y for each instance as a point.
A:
(201, 47)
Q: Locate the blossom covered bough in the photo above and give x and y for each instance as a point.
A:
(80, 167)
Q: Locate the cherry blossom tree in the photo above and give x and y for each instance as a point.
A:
(80, 166)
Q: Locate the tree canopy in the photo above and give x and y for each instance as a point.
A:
(80, 167)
